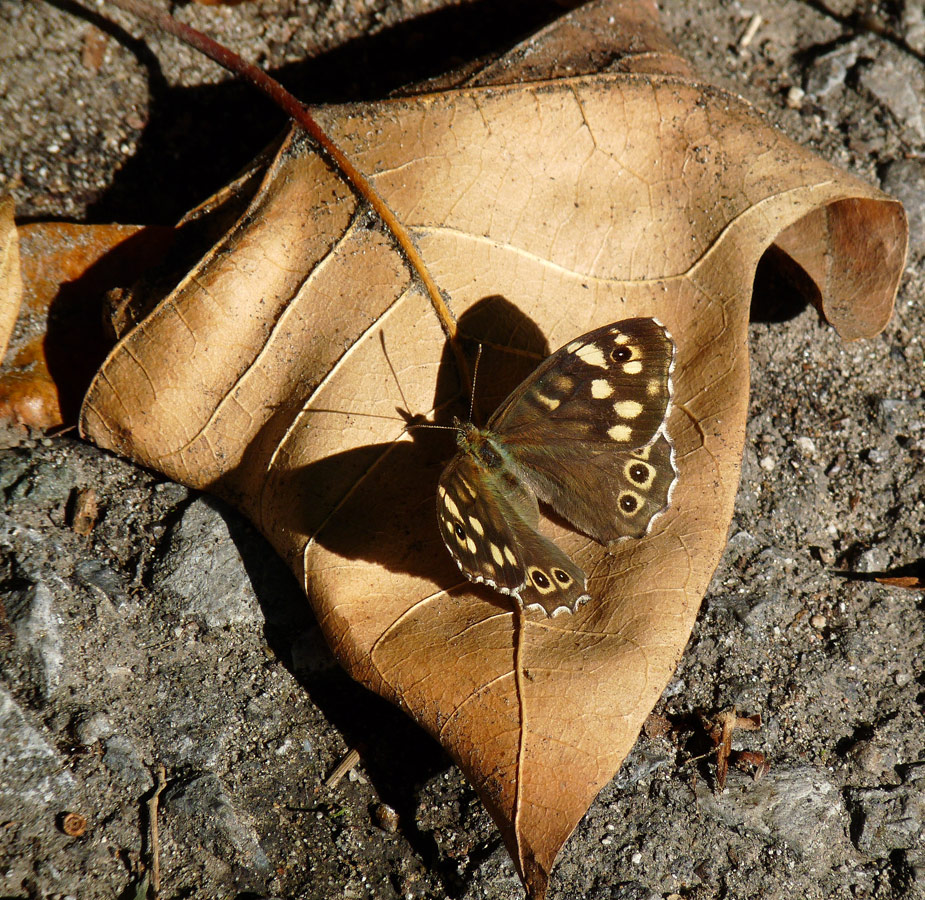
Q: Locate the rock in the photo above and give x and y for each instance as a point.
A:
(100, 578)
(898, 416)
(203, 568)
(888, 819)
(91, 727)
(896, 83)
(798, 806)
(122, 758)
(905, 180)
(627, 890)
(31, 770)
(828, 72)
(204, 814)
(37, 627)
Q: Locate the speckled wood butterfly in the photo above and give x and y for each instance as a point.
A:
(585, 433)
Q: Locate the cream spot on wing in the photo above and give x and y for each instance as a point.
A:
(468, 487)
(632, 368)
(476, 526)
(452, 508)
(441, 492)
(601, 389)
(563, 384)
(627, 409)
(449, 526)
(620, 433)
(548, 402)
(592, 355)
(509, 556)
(571, 348)
(470, 545)
(621, 338)
(496, 554)
(654, 387)
(643, 452)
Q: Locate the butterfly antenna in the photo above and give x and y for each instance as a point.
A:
(475, 375)
(388, 360)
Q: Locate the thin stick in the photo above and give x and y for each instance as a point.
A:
(299, 112)
(343, 767)
(159, 786)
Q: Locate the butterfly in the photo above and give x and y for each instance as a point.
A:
(585, 433)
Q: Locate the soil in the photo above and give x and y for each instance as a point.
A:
(171, 635)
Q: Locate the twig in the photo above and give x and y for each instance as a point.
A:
(159, 786)
(343, 767)
(750, 31)
(300, 113)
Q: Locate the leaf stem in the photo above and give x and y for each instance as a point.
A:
(301, 115)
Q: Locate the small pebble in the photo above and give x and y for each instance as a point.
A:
(386, 818)
(818, 621)
(795, 97)
(806, 446)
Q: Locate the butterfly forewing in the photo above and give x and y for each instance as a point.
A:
(488, 522)
(586, 430)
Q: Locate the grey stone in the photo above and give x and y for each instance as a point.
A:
(202, 808)
(897, 83)
(913, 25)
(93, 726)
(828, 72)
(905, 180)
(899, 416)
(888, 819)
(640, 764)
(98, 576)
(874, 758)
(799, 807)
(122, 758)
(38, 631)
(204, 569)
(627, 890)
(31, 770)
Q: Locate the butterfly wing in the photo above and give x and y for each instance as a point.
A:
(586, 429)
(488, 523)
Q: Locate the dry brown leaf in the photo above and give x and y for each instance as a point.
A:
(66, 269)
(543, 205)
(85, 511)
(720, 729)
(10, 276)
(909, 582)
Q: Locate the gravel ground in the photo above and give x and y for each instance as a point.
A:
(170, 635)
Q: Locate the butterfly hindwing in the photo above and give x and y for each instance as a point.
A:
(488, 523)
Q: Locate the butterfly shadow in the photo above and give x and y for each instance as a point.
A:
(377, 503)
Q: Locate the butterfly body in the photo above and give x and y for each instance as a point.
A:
(585, 433)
